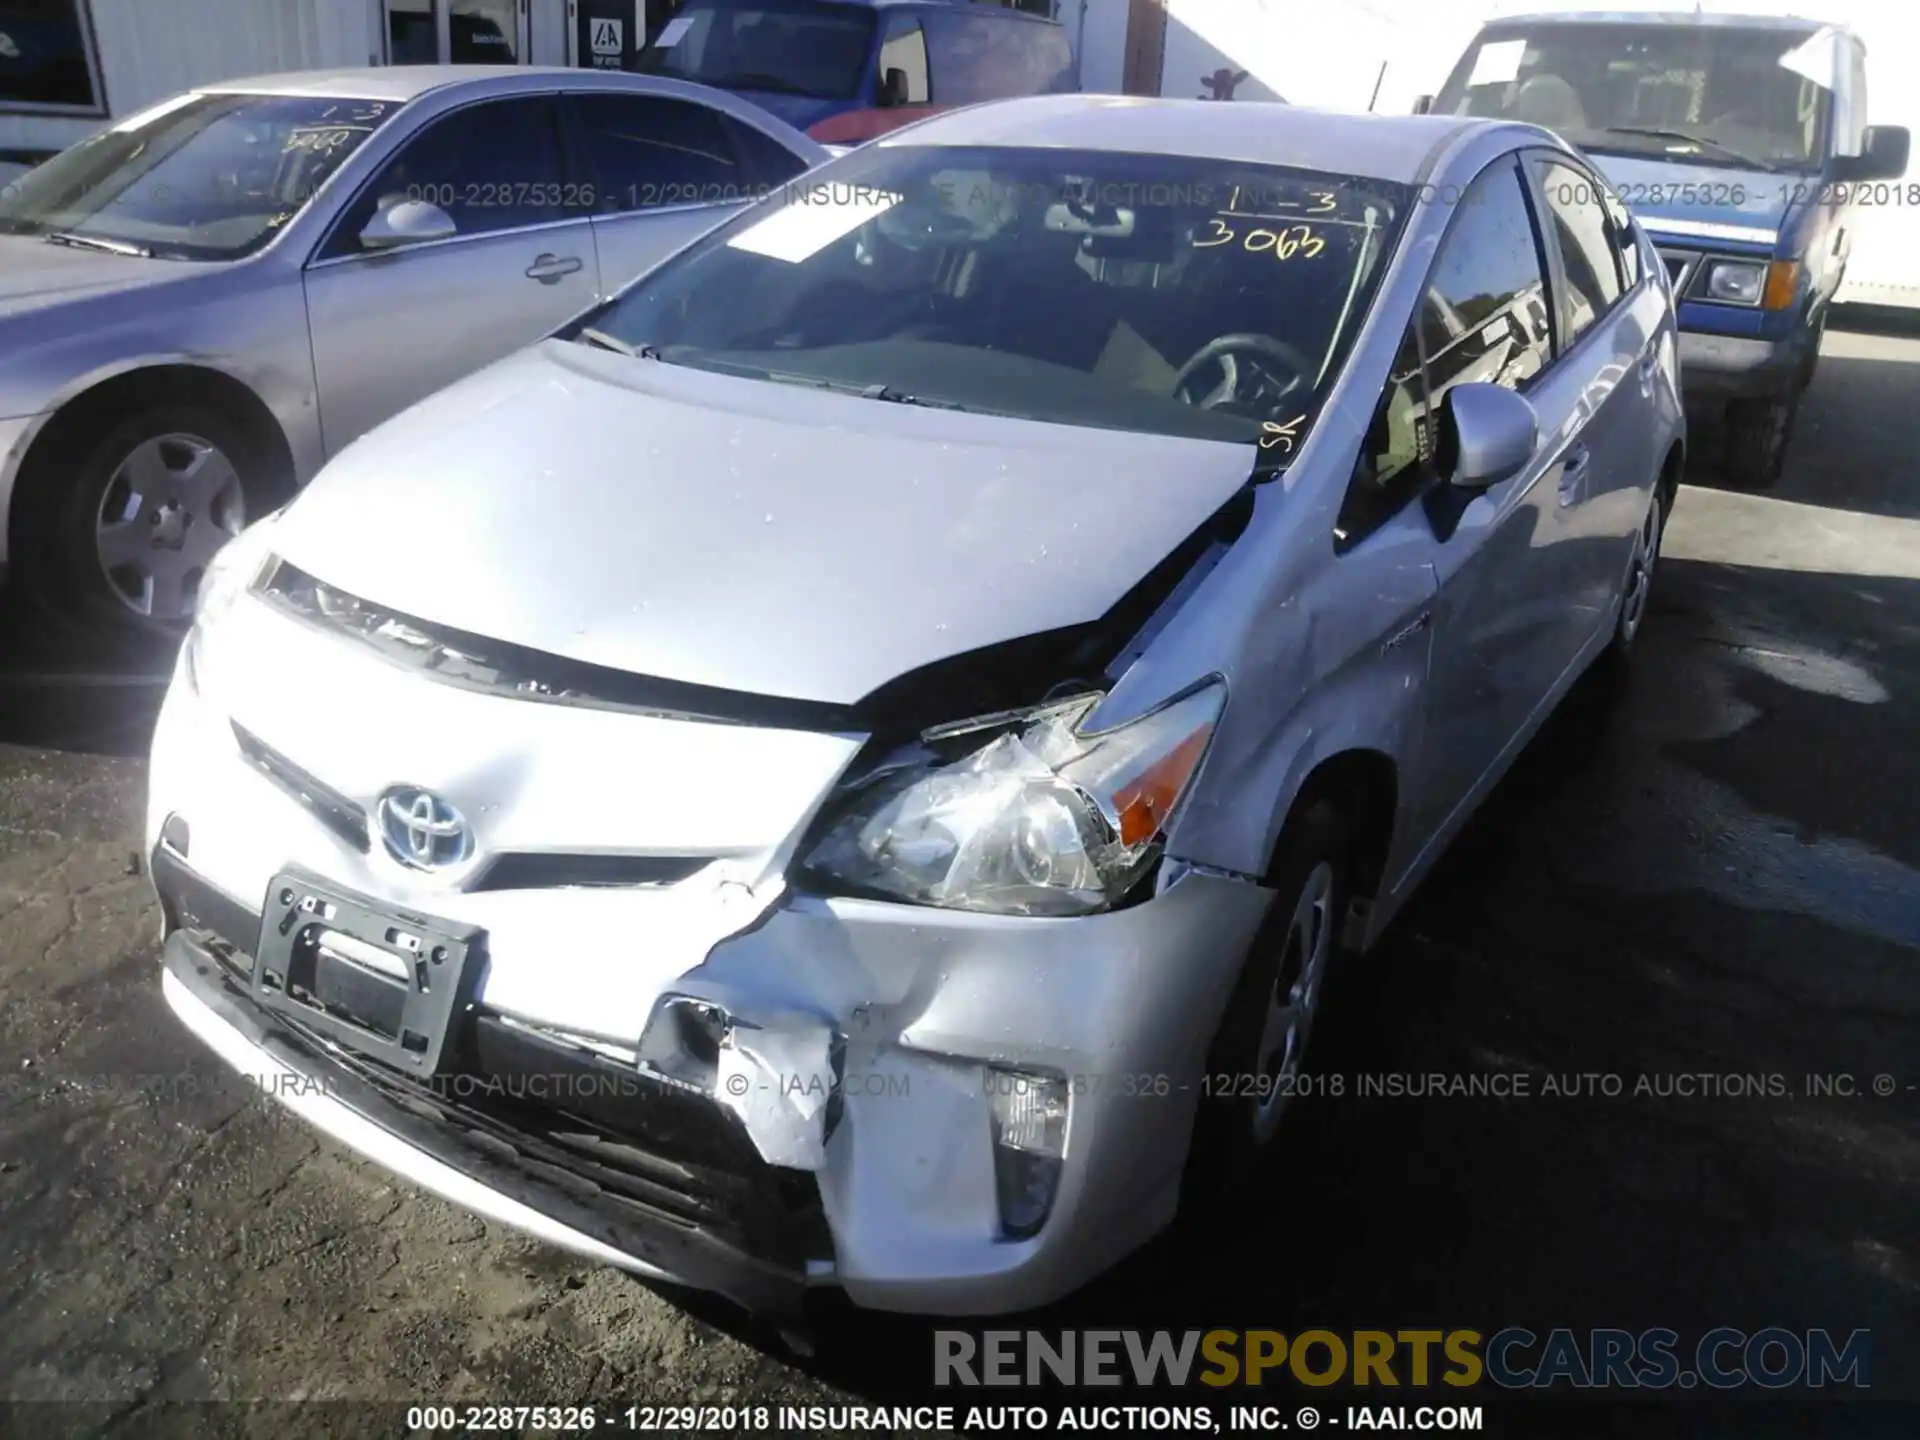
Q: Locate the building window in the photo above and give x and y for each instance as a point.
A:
(46, 58)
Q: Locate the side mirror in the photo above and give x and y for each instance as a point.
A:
(1423, 105)
(1882, 157)
(409, 222)
(1488, 433)
(893, 87)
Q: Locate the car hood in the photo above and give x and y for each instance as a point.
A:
(1690, 202)
(751, 536)
(35, 274)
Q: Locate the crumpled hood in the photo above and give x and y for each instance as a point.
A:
(35, 274)
(752, 536)
(1673, 200)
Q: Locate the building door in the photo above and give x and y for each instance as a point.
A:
(457, 32)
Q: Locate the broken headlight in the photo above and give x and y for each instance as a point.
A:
(1036, 818)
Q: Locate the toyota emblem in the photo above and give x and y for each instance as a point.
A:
(423, 831)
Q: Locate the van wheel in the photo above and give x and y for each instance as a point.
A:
(126, 522)
(1758, 432)
(1259, 1052)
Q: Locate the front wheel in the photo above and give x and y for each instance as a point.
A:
(1259, 1053)
(130, 519)
(1758, 432)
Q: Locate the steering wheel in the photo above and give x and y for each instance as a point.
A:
(1257, 354)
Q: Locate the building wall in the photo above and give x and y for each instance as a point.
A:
(150, 49)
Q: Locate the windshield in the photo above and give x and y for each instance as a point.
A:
(1132, 292)
(1700, 94)
(788, 47)
(206, 177)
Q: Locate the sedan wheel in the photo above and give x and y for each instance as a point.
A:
(1294, 999)
(170, 504)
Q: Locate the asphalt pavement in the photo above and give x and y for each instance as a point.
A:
(1707, 869)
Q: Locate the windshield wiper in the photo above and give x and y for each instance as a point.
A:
(604, 341)
(1702, 142)
(95, 242)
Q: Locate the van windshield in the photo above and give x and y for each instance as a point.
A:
(785, 47)
(1151, 293)
(1697, 94)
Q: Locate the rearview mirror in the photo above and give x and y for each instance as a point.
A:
(1423, 104)
(1488, 433)
(893, 87)
(1883, 156)
(408, 222)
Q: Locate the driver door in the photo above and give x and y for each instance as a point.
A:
(391, 327)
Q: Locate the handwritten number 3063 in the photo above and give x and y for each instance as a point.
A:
(1285, 244)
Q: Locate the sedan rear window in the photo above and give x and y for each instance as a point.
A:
(1133, 292)
(203, 177)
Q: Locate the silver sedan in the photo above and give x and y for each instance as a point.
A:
(202, 303)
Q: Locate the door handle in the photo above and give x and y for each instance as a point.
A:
(1573, 473)
(552, 269)
(1649, 367)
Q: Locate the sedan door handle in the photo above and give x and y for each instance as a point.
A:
(1649, 369)
(552, 269)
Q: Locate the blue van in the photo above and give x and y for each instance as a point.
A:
(1742, 145)
(847, 70)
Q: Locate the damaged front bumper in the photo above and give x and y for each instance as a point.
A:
(782, 1091)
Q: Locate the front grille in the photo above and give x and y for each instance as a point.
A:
(329, 806)
(1681, 265)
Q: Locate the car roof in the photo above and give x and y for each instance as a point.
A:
(397, 82)
(1379, 147)
(1793, 23)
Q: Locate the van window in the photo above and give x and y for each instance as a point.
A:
(1680, 94)
(905, 50)
(777, 47)
(991, 56)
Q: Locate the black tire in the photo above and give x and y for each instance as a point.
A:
(1231, 1140)
(1758, 433)
(62, 569)
(1643, 568)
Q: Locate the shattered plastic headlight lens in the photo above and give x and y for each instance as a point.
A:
(1039, 819)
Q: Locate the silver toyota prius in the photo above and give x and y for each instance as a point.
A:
(849, 764)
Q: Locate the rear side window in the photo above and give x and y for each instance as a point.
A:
(1587, 251)
(767, 162)
(648, 152)
(905, 50)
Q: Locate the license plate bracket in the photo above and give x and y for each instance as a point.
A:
(383, 980)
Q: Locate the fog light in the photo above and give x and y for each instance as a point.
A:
(682, 1042)
(1029, 1137)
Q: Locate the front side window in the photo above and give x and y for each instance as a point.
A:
(204, 177)
(1152, 293)
(904, 52)
(1588, 250)
(1484, 317)
(781, 47)
(494, 166)
(1690, 94)
(45, 59)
